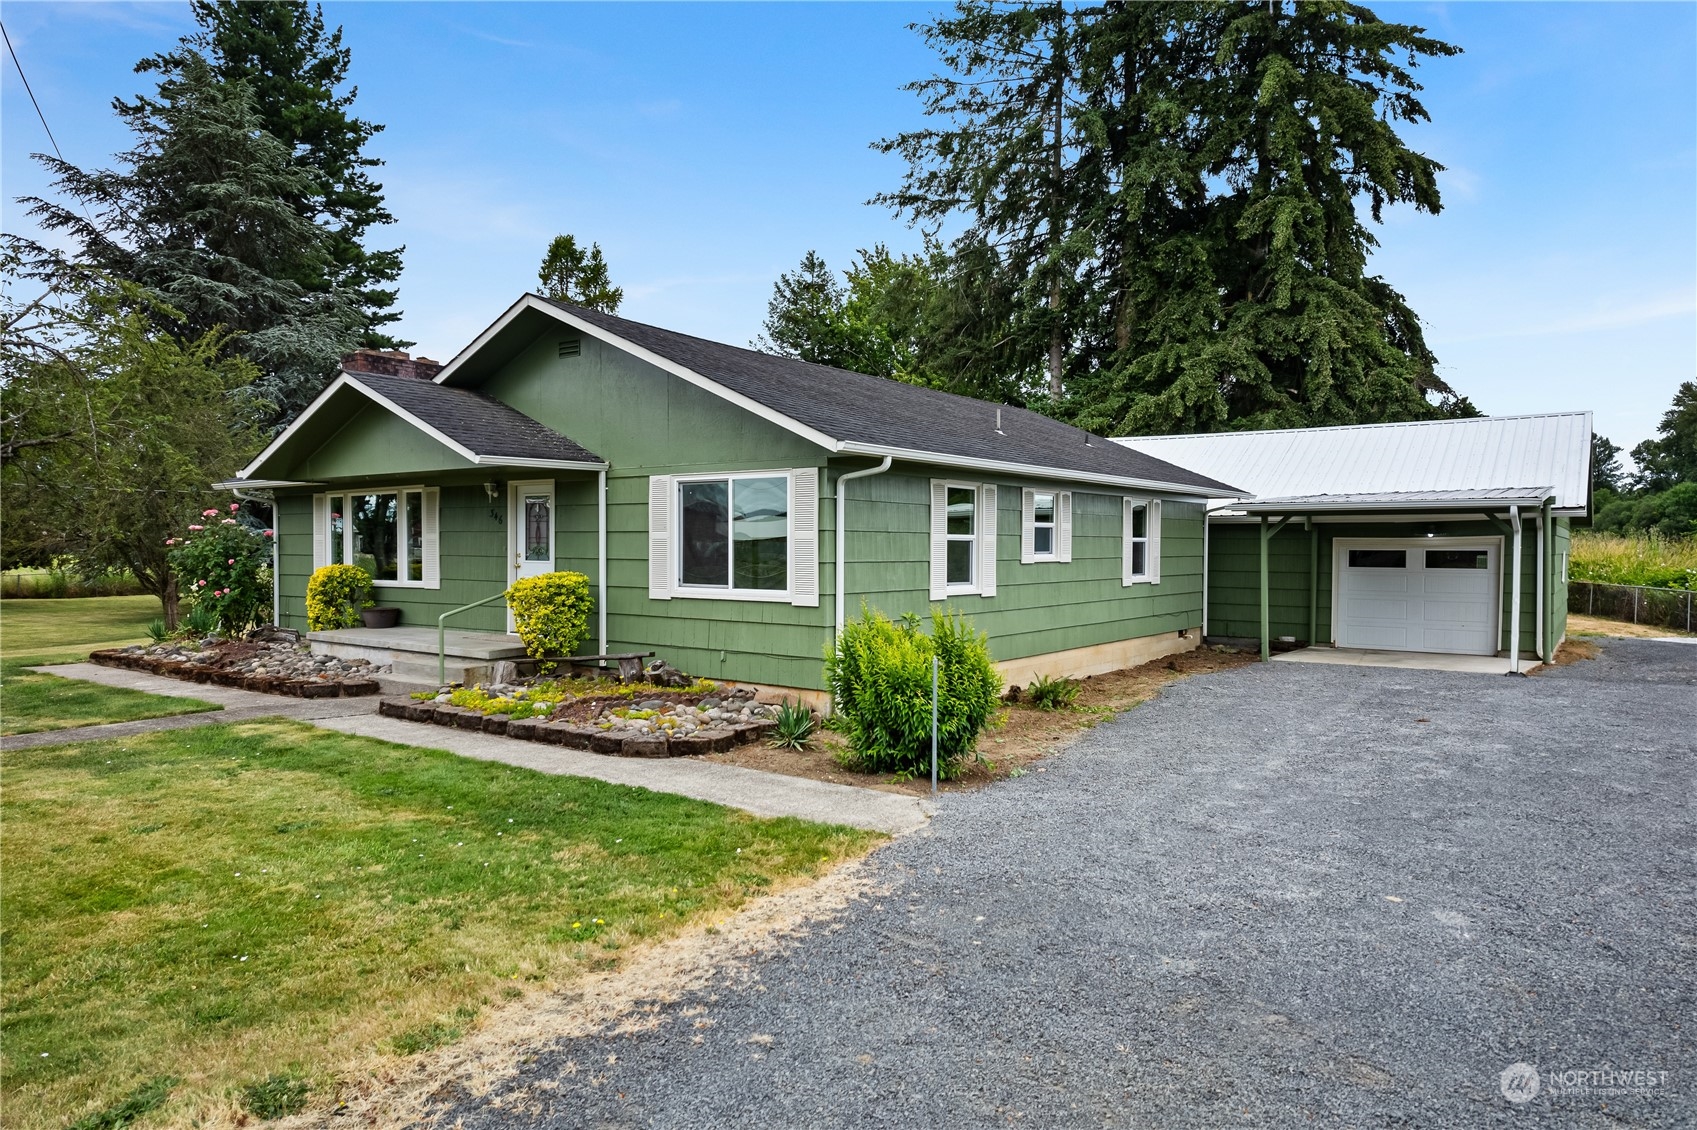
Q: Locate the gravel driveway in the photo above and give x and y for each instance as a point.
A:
(1290, 895)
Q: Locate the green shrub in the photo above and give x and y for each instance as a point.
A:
(879, 673)
(551, 612)
(200, 620)
(794, 725)
(275, 1096)
(157, 631)
(334, 596)
(1052, 694)
(224, 566)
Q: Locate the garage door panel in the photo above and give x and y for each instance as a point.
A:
(1416, 596)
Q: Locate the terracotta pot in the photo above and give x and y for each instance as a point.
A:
(380, 617)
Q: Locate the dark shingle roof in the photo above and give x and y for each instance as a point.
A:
(857, 408)
(477, 422)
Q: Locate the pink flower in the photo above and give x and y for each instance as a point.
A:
(209, 513)
(231, 561)
(235, 506)
(197, 527)
(270, 533)
(200, 584)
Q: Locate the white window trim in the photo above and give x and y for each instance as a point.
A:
(1060, 523)
(974, 586)
(1151, 539)
(430, 523)
(705, 592)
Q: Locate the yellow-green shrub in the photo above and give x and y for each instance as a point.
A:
(551, 612)
(334, 596)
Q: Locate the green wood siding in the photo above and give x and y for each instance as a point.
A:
(376, 442)
(1038, 608)
(1234, 563)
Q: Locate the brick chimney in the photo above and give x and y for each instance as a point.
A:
(390, 363)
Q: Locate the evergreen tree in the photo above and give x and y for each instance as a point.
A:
(200, 216)
(1671, 458)
(1606, 471)
(573, 275)
(1172, 190)
(296, 71)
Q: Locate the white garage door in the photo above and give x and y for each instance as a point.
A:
(1422, 594)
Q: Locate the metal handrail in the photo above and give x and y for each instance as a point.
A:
(442, 633)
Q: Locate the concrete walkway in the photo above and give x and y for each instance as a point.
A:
(1407, 660)
(763, 794)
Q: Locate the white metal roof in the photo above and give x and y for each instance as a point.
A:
(1486, 453)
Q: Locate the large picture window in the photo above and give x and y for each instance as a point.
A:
(381, 531)
(734, 533)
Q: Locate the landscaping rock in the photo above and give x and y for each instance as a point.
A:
(393, 707)
(522, 728)
(420, 711)
(645, 745)
(466, 719)
(496, 723)
(606, 741)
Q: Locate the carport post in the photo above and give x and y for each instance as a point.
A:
(1547, 580)
(1266, 643)
(1313, 581)
(1514, 595)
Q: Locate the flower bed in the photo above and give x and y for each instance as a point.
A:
(274, 666)
(625, 721)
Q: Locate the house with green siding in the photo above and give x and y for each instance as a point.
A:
(730, 508)
(1443, 536)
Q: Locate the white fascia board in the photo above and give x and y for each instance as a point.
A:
(545, 464)
(996, 466)
(347, 381)
(747, 404)
(259, 484)
(307, 413)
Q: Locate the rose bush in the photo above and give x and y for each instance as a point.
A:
(225, 568)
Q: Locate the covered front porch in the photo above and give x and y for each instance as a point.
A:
(445, 497)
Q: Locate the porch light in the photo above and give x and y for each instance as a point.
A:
(1431, 531)
(492, 489)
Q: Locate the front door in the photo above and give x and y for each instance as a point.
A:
(530, 525)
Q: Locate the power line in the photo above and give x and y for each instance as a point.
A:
(30, 92)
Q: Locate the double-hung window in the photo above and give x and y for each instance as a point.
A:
(963, 539)
(390, 533)
(1140, 534)
(735, 536)
(1045, 526)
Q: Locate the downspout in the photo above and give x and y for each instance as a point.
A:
(1514, 595)
(1266, 645)
(842, 535)
(601, 557)
(1204, 574)
(270, 501)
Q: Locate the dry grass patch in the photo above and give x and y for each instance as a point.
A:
(1578, 625)
(255, 907)
(1019, 735)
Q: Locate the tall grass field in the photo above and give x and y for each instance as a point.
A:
(1634, 559)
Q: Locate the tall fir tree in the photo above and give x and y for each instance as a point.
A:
(1193, 243)
(297, 72)
(200, 215)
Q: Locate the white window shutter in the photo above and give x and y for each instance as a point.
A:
(1155, 541)
(986, 541)
(804, 537)
(1126, 527)
(320, 531)
(1063, 526)
(660, 537)
(432, 538)
(1027, 526)
(939, 540)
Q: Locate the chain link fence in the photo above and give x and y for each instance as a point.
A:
(1636, 604)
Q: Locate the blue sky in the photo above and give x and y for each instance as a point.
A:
(706, 147)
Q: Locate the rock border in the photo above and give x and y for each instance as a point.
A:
(218, 676)
(576, 735)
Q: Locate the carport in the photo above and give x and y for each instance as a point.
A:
(1413, 570)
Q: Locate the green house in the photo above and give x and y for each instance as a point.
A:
(1444, 536)
(729, 507)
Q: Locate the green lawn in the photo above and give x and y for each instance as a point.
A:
(34, 632)
(235, 903)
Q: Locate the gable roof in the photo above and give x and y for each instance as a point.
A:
(853, 413)
(479, 428)
(1548, 453)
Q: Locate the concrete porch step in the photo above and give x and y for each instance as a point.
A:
(411, 653)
